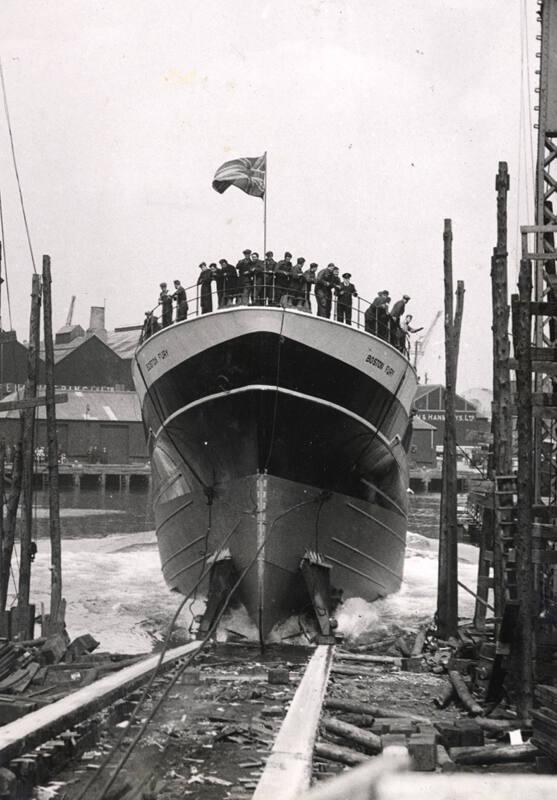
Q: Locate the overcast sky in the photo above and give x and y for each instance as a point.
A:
(379, 119)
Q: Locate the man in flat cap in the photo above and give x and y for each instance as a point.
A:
(181, 301)
(282, 279)
(229, 282)
(325, 281)
(297, 284)
(345, 292)
(205, 290)
(258, 279)
(371, 315)
(243, 267)
(270, 266)
(310, 276)
(396, 335)
(165, 301)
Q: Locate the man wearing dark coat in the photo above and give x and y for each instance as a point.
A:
(324, 284)
(270, 266)
(204, 282)
(396, 335)
(181, 301)
(258, 278)
(370, 315)
(230, 282)
(309, 278)
(297, 284)
(282, 278)
(345, 292)
(165, 301)
(243, 267)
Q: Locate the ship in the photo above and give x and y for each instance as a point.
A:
(278, 446)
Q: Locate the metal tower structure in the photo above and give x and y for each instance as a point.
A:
(544, 256)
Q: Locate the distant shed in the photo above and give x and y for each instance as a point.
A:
(107, 420)
(471, 426)
(422, 445)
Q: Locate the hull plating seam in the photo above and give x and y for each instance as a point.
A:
(358, 572)
(181, 550)
(365, 555)
(280, 390)
(378, 521)
(173, 514)
(385, 496)
(185, 569)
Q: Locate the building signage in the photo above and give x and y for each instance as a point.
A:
(439, 416)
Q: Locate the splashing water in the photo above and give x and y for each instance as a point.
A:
(115, 591)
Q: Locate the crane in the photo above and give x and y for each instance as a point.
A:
(420, 344)
(70, 311)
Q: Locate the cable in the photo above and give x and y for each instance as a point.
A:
(156, 669)
(5, 266)
(189, 659)
(15, 165)
(275, 408)
(159, 413)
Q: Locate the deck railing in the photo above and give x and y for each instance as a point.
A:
(202, 300)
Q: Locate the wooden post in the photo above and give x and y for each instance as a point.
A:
(2, 488)
(524, 575)
(28, 420)
(10, 526)
(447, 588)
(52, 456)
(501, 420)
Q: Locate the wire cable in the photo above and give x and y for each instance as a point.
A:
(4, 253)
(190, 658)
(7, 112)
(277, 387)
(156, 668)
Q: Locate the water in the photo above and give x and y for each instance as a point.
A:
(115, 591)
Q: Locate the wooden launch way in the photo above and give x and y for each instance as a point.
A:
(287, 774)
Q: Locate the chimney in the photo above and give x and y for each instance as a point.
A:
(96, 322)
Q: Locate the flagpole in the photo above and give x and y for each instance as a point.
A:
(265, 210)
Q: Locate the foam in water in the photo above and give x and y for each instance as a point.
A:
(115, 591)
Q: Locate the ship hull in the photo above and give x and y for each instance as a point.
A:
(267, 443)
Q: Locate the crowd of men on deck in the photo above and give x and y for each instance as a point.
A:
(255, 281)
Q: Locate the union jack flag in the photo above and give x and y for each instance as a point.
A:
(248, 174)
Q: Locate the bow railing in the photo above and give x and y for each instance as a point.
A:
(266, 291)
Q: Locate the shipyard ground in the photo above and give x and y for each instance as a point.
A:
(215, 731)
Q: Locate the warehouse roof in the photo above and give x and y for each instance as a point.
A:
(89, 405)
(420, 424)
(123, 343)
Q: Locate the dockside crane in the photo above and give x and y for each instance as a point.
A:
(421, 343)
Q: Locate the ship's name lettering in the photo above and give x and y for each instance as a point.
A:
(155, 360)
(376, 362)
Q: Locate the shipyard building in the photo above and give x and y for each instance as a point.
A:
(101, 420)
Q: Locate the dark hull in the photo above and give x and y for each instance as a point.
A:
(364, 543)
(274, 446)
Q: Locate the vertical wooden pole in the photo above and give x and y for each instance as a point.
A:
(52, 452)
(9, 530)
(447, 588)
(524, 574)
(28, 417)
(501, 417)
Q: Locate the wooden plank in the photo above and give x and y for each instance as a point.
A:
(287, 773)
(538, 229)
(416, 786)
(32, 729)
(32, 402)
(359, 782)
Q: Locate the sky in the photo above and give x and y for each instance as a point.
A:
(379, 120)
